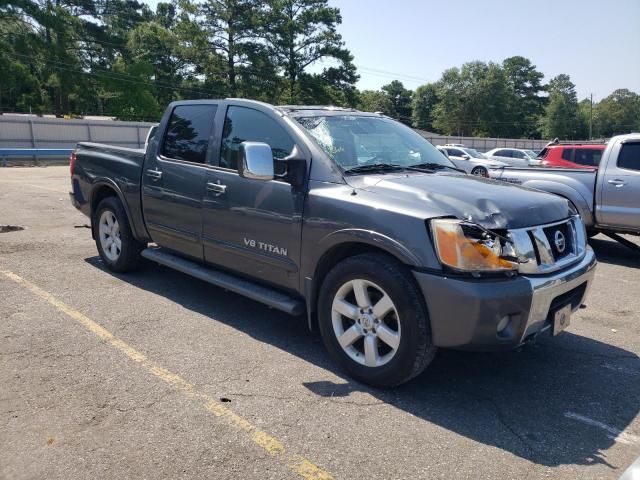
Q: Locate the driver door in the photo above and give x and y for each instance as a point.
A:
(252, 226)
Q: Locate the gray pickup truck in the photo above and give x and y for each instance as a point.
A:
(348, 216)
(607, 197)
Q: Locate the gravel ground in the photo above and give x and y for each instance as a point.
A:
(198, 383)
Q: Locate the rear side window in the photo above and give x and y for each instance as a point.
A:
(567, 153)
(454, 152)
(629, 156)
(503, 153)
(246, 124)
(588, 156)
(188, 132)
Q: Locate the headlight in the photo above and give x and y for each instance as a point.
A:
(468, 247)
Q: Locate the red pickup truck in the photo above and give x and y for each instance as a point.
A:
(572, 155)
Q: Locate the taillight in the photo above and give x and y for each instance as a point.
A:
(72, 162)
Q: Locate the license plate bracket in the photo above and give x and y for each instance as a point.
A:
(561, 319)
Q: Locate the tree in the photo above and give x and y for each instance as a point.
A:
(232, 28)
(562, 119)
(425, 99)
(526, 83)
(618, 113)
(302, 32)
(474, 100)
(400, 99)
(375, 101)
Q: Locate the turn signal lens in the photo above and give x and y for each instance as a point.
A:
(468, 251)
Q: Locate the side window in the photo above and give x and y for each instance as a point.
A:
(588, 156)
(629, 157)
(567, 154)
(518, 154)
(246, 124)
(187, 136)
(503, 153)
(454, 152)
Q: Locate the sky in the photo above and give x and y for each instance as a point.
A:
(595, 42)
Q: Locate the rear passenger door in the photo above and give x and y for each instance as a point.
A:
(173, 180)
(252, 226)
(620, 187)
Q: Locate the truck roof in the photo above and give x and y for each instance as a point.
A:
(323, 110)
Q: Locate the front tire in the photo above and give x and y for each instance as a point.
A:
(118, 248)
(373, 320)
(480, 172)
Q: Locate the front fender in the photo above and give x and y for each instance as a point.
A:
(357, 235)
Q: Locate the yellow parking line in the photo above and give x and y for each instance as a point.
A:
(298, 464)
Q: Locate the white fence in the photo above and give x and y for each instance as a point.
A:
(484, 144)
(18, 131)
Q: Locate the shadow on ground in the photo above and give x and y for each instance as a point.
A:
(521, 402)
(610, 251)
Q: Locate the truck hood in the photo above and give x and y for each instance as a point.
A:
(490, 203)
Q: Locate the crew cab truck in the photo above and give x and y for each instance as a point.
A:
(348, 216)
(607, 197)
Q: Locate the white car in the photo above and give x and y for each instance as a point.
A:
(516, 157)
(470, 160)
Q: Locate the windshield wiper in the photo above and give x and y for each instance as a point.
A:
(434, 166)
(372, 167)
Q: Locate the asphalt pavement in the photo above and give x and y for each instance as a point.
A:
(158, 375)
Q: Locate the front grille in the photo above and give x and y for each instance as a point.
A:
(560, 238)
(547, 248)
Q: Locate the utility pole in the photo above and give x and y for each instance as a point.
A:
(591, 118)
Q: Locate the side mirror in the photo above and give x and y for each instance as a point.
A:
(465, 157)
(255, 161)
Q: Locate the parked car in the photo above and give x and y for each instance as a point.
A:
(607, 198)
(514, 156)
(470, 160)
(572, 155)
(391, 255)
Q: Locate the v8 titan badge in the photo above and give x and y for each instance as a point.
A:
(561, 319)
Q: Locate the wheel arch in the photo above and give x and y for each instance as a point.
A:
(342, 245)
(105, 189)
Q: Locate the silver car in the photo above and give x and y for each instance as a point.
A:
(516, 157)
(470, 160)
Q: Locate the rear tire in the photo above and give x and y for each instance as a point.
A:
(118, 248)
(373, 320)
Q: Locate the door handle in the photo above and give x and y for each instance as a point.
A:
(216, 187)
(154, 174)
(618, 183)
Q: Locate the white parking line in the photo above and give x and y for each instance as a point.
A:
(613, 433)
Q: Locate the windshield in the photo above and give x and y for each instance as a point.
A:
(474, 153)
(354, 141)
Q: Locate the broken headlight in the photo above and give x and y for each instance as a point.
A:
(468, 247)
